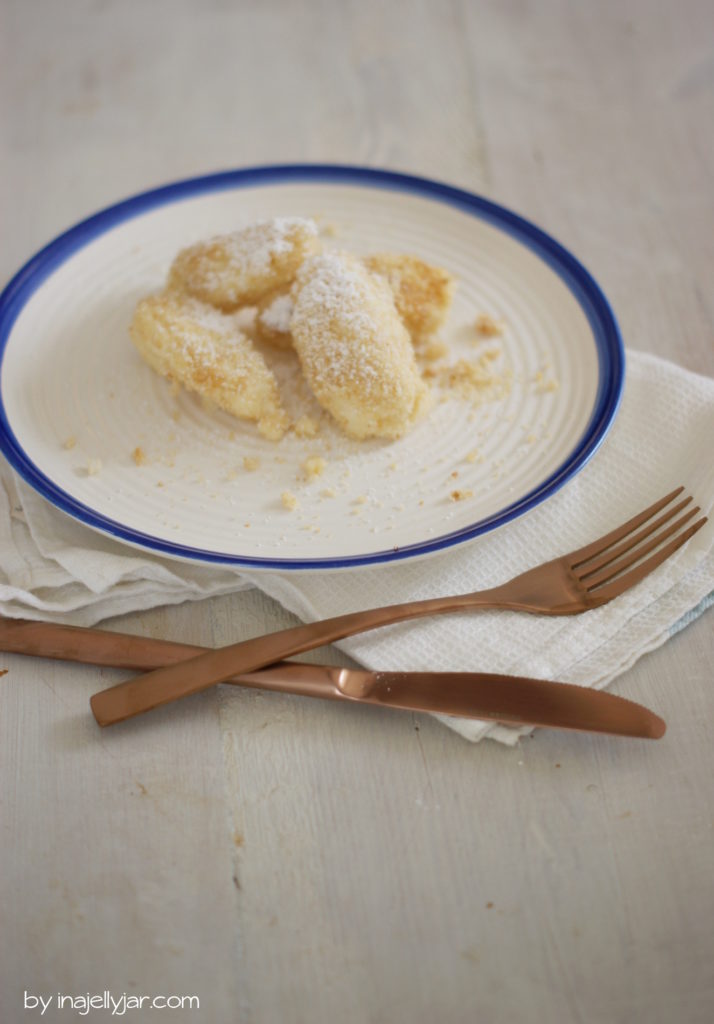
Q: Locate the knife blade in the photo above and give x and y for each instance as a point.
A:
(512, 700)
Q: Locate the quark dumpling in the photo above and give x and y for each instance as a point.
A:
(422, 292)
(354, 350)
(230, 271)
(422, 296)
(202, 349)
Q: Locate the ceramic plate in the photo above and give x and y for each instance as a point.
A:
(107, 441)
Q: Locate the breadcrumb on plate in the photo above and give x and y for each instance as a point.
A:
(547, 385)
(314, 466)
(489, 326)
(305, 426)
(473, 379)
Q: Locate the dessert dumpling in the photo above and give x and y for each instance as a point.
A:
(422, 292)
(203, 350)
(230, 271)
(354, 350)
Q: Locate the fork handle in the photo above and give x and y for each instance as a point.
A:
(145, 692)
(89, 646)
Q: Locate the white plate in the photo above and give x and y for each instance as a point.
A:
(69, 374)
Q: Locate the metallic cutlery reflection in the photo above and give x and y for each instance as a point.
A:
(511, 700)
(576, 582)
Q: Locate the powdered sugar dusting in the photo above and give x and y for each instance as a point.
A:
(277, 315)
(354, 350)
(255, 247)
(204, 334)
(238, 269)
(335, 300)
(209, 318)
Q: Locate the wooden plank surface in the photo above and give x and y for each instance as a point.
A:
(292, 861)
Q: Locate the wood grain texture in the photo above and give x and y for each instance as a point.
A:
(289, 860)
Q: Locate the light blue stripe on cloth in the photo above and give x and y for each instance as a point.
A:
(694, 613)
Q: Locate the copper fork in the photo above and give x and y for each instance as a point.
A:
(577, 582)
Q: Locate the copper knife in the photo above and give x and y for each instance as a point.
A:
(512, 700)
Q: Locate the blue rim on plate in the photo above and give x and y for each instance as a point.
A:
(606, 334)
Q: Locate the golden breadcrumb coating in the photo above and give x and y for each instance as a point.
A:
(202, 349)
(354, 350)
(273, 315)
(422, 293)
(235, 270)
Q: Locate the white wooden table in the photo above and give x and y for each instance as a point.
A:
(288, 860)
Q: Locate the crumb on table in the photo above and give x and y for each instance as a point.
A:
(69, 443)
(94, 466)
(139, 456)
(289, 500)
(461, 494)
(251, 463)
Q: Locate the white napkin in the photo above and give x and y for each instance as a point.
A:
(54, 568)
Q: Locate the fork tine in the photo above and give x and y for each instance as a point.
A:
(590, 566)
(606, 593)
(635, 553)
(584, 554)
